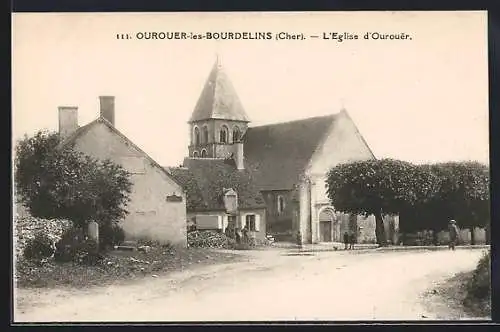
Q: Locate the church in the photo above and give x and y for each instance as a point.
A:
(277, 171)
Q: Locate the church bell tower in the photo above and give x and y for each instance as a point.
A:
(218, 121)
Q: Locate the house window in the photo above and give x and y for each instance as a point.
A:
(250, 222)
(204, 134)
(196, 136)
(203, 153)
(231, 221)
(281, 204)
(236, 134)
(223, 134)
(196, 154)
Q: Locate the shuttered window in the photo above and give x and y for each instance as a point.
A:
(250, 221)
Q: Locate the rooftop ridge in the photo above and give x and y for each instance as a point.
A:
(297, 120)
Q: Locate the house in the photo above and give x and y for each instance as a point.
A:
(157, 209)
(286, 162)
(209, 184)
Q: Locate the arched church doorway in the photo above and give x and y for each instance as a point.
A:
(329, 228)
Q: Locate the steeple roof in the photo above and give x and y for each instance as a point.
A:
(218, 99)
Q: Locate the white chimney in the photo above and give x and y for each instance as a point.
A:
(68, 120)
(239, 156)
(107, 108)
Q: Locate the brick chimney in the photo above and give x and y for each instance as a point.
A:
(68, 120)
(239, 156)
(107, 108)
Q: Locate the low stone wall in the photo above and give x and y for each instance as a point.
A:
(443, 237)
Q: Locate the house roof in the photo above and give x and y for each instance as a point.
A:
(204, 181)
(70, 141)
(218, 99)
(278, 154)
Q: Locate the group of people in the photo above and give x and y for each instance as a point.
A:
(240, 235)
(349, 240)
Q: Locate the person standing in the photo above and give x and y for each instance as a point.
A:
(352, 240)
(245, 234)
(346, 240)
(453, 229)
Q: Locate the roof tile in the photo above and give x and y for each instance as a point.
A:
(277, 154)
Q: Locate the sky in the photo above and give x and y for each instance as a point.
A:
(419, 100)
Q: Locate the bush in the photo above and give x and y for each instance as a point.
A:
(87, 253)
(28, 227)
(67, 247)
(480, 285)
(77, 248)
(39, 247)
(110, 234)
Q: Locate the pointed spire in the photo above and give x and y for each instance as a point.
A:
(218, 99)
(342, 104)
(218, 62)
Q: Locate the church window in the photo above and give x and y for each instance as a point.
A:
(223, 134)
(236, 135)
(204, 134)
(195, 154)
(196, 136)
(281, 204)
(203, 153)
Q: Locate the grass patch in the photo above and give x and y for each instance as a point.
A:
(117, 266)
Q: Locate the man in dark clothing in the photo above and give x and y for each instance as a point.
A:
(453, 229)
(352, 240)
(244, 231)
(346, 240)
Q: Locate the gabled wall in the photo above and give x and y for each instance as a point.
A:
(342, 144)
(151, 216)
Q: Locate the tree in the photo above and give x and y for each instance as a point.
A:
(463, 194)
(62, 183)
(379, 187)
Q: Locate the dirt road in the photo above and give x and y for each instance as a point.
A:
(274, 285)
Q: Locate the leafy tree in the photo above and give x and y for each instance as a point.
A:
(62, 183)
(379, 187)
(463, 195)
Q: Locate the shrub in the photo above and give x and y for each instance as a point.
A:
(39, 247)
(28, 227)
(110, 234)
(480, 285)
(76, 247)
(67, 247)
(87, 253)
